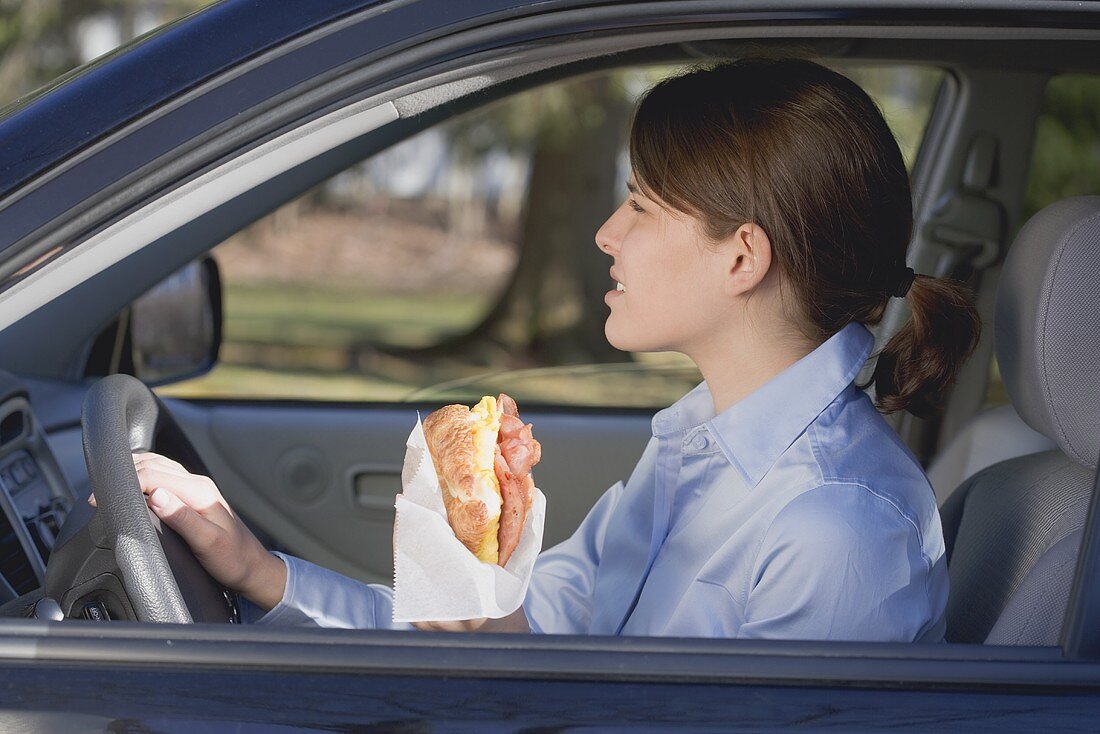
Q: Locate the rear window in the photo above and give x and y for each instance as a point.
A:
(1065, 161)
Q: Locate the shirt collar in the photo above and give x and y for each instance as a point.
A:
(753, 432)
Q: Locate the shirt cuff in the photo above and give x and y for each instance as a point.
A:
(317, 597)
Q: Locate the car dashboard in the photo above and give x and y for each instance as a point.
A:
(35, 496)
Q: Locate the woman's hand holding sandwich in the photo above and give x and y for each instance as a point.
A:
(514, 622)
(483, 458)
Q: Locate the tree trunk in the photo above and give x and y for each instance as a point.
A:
(552, 311)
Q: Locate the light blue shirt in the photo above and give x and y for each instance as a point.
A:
(796, 513)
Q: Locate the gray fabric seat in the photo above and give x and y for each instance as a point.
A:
(1009, 517)
(1012, 530)
(991, 436)
(1042, 597)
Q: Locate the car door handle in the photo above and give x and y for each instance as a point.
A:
(375, 486)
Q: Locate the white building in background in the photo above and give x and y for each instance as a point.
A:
(425, 167)
(101, 33)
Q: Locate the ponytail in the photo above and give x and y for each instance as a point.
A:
(919, 363)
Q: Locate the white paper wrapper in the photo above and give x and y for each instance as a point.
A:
(435, 578)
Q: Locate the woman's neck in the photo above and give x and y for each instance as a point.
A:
(736, 367)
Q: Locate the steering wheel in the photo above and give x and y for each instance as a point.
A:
(121, 561)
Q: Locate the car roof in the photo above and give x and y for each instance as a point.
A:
(37, 130)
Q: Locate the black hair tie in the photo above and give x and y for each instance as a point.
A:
(904, 283)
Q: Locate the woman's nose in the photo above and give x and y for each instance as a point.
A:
(607, 236)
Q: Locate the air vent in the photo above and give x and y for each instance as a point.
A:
(11, 427)
(45, 525)
(13, 560)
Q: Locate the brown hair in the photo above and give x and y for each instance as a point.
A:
(803, 152)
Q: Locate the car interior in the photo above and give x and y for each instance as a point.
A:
(1014, 480)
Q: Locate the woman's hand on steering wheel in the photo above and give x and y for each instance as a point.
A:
(193, 506)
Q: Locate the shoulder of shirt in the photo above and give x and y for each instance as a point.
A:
(851, 444)
(840, 509)
(856, 453)
(832, 519)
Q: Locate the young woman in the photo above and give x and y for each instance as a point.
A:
(766, 227)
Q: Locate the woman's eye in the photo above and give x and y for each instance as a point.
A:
(635, 207)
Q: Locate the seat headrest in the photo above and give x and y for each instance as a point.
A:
(1047, 329)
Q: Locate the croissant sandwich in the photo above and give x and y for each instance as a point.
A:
(483, 458)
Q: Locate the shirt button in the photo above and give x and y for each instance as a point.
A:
(699, 442)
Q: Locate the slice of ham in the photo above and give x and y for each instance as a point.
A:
(507, 405)
(516, 452)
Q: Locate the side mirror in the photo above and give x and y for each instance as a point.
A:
(176, 327)
(172, 332)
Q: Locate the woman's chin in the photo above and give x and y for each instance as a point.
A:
(613, 338)
(624, 341)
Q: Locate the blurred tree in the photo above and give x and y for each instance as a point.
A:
(553, 306)
(552, 309)
(1065, 158)
(42, 39)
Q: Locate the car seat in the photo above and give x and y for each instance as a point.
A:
(991, 436)
(1012, 531)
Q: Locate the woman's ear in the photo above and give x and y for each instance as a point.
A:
(748, 257)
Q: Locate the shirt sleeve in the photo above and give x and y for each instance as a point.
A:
(558, 601)
(840, 563)
(317, 597)
(559, 598)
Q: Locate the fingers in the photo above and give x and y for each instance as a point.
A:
(200, 533)
(158, 462)
(148, 458)
(196, 491)
(435, 626)
(463, 625)
(155, 471)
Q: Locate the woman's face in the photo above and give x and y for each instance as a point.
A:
(669, 294)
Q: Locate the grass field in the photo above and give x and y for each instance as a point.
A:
(314, 344)
(300, 342)
(337, 318)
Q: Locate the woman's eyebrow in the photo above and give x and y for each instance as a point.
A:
(631, 188)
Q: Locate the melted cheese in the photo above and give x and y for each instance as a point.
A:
(485, 425)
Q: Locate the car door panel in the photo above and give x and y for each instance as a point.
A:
(339, 680)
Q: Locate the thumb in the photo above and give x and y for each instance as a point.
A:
(200, 533)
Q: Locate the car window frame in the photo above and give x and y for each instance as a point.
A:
(721, 661)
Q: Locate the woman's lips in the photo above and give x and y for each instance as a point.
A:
(619, 287)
